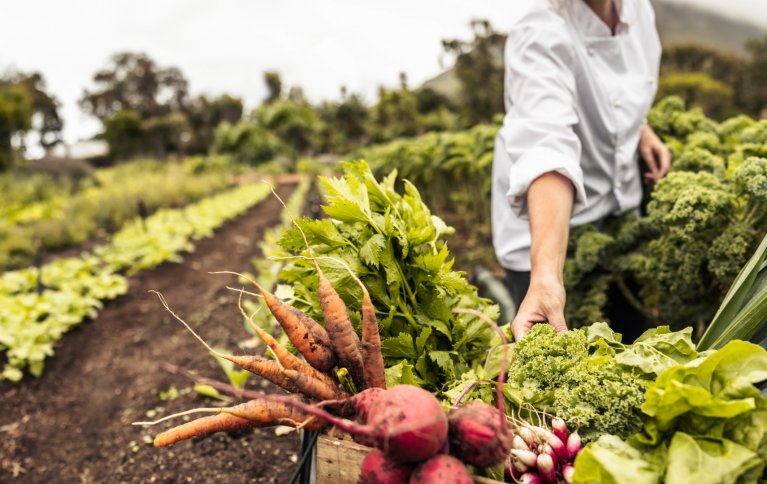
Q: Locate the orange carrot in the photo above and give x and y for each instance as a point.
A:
(288, 359)
(255, 413)
(265, 368)
(374, 374)
(346, 343)
(312, 387)
(371, 345)
(309, 338)
(257, 365)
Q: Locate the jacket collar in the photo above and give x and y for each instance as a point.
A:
(589, 23)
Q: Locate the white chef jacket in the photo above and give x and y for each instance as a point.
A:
(576, 98)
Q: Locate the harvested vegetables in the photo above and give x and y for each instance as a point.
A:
(650, 411)
(560, 373)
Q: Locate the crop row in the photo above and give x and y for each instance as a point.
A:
(43, 212)
(37, 306)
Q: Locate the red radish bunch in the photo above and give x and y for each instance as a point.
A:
(542, 456)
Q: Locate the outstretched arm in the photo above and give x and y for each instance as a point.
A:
(549, 206)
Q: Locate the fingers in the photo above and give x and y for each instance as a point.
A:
(664, 155)
(520, 327)
(652, 163)
(557, 320)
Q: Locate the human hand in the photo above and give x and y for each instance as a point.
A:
(544, 302)
(655, 154)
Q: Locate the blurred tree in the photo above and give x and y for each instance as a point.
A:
(292, 120)
(169, 133)
(755, 85)
(205, 114)
(395, 114)
(124, 134)
(718, 64)
(133, 82)
(247, 142)
(344, 122)
(479, 69)
(46, 121)
(15, 119)
(429, 101)
(273, 85)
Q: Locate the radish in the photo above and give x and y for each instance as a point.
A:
(378, 469)
(559, 428)
(526, 457)
(568, 472)
(476, 437)
(549, 438)
(528, 437)
(358, 406)
(548, 450)
(573, 446)
(530, 478)
(442, 469)
(546, 468)
(519, 444)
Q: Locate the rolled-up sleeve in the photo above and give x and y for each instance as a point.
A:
(537, 130)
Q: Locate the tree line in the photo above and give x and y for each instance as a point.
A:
(147, 109)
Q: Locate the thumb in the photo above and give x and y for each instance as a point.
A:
(557, 320)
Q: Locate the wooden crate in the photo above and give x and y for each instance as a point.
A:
(339, 461)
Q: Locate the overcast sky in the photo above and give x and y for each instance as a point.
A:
(224, 46)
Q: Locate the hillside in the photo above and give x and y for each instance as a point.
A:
(677, 23)
(685, 23)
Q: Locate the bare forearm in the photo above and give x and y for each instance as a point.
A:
(549, 206)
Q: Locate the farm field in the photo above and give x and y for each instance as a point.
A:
(330, 256)
(73, 423)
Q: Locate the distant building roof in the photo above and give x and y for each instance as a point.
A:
(84, 150)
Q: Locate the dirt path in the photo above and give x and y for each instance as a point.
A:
(73, 423)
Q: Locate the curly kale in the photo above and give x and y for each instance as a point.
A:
(730, 250)
(751, 179)
(587, 280)
(592, 393)
(697, 159)
(675, 263)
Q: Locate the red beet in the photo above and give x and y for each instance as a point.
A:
(476, 436)
(378, 469)
(410, 423)
(407, 423)
(442, 469)
(357, 408)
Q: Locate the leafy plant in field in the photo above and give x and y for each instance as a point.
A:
(451, 170)
(396, 246)
(703, 220)
(42, 212)
(31, 322)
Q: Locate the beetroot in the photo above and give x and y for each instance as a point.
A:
(378, 469)
(476, 436)
(442, 469)
(409, 422)
(357, 408)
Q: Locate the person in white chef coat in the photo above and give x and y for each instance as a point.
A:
(581, 76)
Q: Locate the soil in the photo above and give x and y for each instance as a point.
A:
(73, 424)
